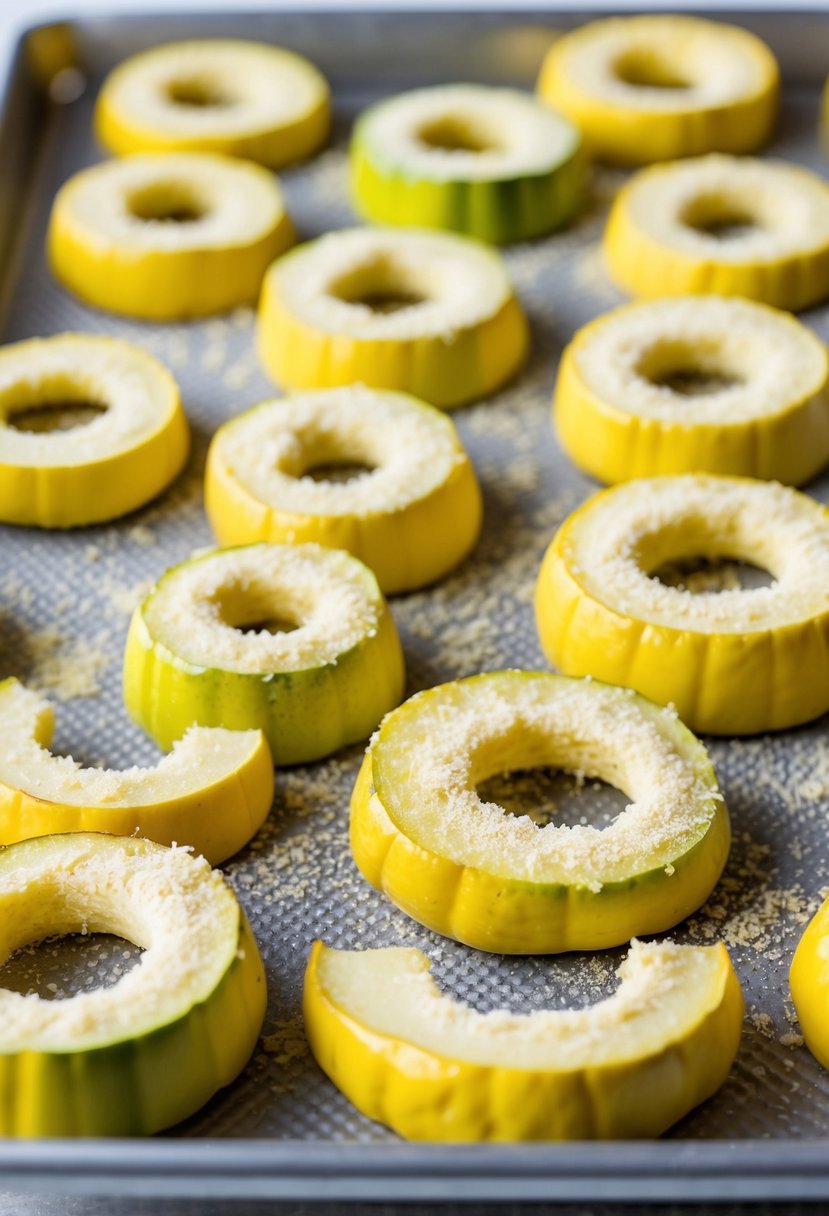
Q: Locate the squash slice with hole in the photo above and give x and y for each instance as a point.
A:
(421, 833)
(294, 640)
(152, 1048)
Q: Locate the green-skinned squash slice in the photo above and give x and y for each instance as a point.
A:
(294, 640)
(151, 1049)
(490, 163)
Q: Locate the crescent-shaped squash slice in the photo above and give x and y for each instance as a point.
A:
(434, 1069)
(213, 791)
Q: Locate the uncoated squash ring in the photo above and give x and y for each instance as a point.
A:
(433, 1069)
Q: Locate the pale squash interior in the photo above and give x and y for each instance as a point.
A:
(466, 132)
(692, 206)
(228, 202)
(757, 361)
(432, 752)
(615, 543)
(165, 900)
(135, 394)
(409, 449)
(664, 63)
(214, 88)
(331, 283)
(214, 611)
(665, 991)
(204, 756)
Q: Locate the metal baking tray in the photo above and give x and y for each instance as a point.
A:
(282, 1131)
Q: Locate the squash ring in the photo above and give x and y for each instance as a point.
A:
(237, 98)
(733, 662)
(151, 1049)
(113, 463)
(695, 384)
(421, 833)
(722, 225)
(411, 516)
(426, 313)
(490, 163)
(166, 236)
(659, 87)
(293, 640)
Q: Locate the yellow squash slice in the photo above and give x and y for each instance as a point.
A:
(421, 833)
(166, 236)
(661, 86)
(695, 384)
(731, 226)
(119, 434)
(213, 792)
(426, 313)
(733, 661)
(433, 1069)
(238, 98)
(809, 982)
(294, 640)
(151, 1049)
(412, 511)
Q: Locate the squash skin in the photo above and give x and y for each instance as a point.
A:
(809, 984)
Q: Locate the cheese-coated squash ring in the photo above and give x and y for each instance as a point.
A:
(695, 384)
(133, 445)
(421, 833)
(411, 515)
(151, 1049)
(224, 95)
(733, 662)
(722, 225)
(661, 86)
(166, 236)
(426, 313)
(293, 640)
(490, 163)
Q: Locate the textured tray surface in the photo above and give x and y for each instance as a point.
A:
(64, 607)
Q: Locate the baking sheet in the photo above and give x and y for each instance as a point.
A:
(282, 1129)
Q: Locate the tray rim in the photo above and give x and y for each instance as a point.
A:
(650, 1172)
(617, 1171)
